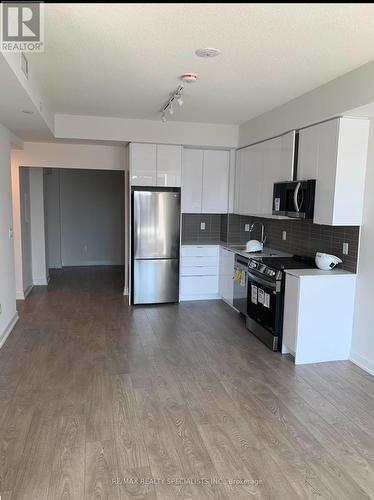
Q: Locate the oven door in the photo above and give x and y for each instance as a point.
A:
(264, 310)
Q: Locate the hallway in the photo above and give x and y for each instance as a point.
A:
(102, 401)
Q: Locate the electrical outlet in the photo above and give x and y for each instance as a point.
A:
(345, 248)
(10, 232)
(85, 249)
(1, 311)
(284, 235)
(202, 226)
(246, 228)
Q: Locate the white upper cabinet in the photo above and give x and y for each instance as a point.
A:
(258, 167)
(278, 166)
(155, 165)
(143, 164)
(215, 182)
(192, 180)
(250, 180)
(205, 181)
(169, 165)
(335, 153)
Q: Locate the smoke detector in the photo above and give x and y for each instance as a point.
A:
(188, 77)
(207, 52)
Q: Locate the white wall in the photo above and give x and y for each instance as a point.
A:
(131, 130)
(363, 337)
(8, 315)
(335, 98)
(24, 190)
(70, 155)
(40, 274)
(53, 219)
(92, 218)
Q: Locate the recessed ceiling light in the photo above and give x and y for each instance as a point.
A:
(28, 111)
(207, 52)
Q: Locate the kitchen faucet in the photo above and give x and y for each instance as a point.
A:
(263, 237)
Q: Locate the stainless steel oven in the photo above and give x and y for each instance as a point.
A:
(265, 303)
(265, 282)
(240, 284)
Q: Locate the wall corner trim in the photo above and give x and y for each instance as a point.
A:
(8, 329)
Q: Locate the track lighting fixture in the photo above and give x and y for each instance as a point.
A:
(168, 107)
(177, 95)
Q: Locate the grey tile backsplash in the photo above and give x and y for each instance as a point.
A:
(303, 237)
(191, 228)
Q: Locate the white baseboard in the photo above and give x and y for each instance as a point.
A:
(8, 329)
(40, 281)
(213, 296)
(364, 363)
(22, 295)
(229, 304)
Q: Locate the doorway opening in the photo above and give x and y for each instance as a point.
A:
(72, 227)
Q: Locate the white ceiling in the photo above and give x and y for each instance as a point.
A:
(123, 59)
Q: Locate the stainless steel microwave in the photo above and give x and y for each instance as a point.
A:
(294, 199)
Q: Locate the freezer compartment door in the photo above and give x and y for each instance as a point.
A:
(156, 281)
(156, 224)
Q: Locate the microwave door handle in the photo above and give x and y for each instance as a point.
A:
(295, 197)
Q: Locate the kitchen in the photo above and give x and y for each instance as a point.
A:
(297, 186)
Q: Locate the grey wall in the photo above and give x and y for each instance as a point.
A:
(53, 221)
(92, 217)
(24, 187)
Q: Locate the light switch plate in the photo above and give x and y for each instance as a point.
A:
(284, 235)
(345, 248)
(202, 226)
(246, 227)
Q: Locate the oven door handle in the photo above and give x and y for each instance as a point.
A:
(263, 282)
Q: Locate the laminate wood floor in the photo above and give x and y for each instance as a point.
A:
(99, 400)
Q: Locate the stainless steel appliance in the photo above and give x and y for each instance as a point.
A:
(266, 296)
(240, 284)
(294, 199)
(155, 245)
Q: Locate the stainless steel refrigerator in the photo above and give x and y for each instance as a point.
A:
(155, 245)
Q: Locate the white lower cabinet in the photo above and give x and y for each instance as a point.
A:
(199, 272)
(226, 275)
(318, 316)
